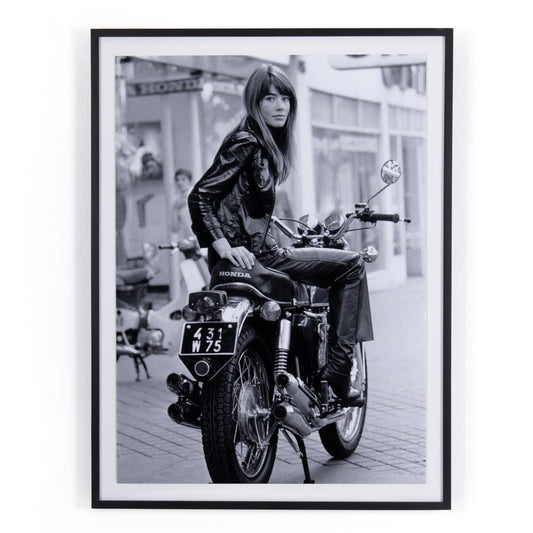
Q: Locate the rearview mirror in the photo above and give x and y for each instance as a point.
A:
(391, 171)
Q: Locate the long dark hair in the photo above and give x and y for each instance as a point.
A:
(277, 142)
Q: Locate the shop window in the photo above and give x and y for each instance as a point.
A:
(410, 150)
(403, 119)
(345, 173)
(418, 121)
(343, 111)
(322, 107)
(346, 111)
(397, 202)
(369, 114)
(222, 112)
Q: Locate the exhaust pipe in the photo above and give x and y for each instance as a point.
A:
(300, 393)
(305, 402)
(185, 414)
(179, 384)
(186, 411)
(291, 418)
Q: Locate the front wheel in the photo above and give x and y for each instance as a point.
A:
(239, 444)
(341, 438)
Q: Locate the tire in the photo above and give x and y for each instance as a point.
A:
(341, 438)
(236, 416)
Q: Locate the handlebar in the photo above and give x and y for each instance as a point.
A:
(284, 228)
(375, 217)
(362, 214)
(183, 246)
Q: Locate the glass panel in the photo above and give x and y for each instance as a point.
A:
(397, 203)
(369, 114)
(345, 111)
(418, 121)
(402, 119)
(322, 107)
(393, 118)
(346, 173)
(415, 194)
(222, 112)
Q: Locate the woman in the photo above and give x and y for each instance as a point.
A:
(232, 204)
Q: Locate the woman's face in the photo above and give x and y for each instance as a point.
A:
(275, 108)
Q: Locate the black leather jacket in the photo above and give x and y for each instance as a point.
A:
(235, 197)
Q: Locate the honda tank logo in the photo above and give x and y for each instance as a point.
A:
(235, 274)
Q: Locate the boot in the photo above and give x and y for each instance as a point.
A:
(342, 387)
(348, 312)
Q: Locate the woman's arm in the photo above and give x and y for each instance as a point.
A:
(216, 183)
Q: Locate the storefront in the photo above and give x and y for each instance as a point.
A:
(176, 111)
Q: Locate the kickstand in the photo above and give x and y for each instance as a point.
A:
(305, 463)
(301, 451)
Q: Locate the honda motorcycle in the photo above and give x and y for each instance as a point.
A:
(255, 343)
(141, 330)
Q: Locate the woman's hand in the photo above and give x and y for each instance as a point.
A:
(239, 255)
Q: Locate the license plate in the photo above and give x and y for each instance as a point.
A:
(209, 338)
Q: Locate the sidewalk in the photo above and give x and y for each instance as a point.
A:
(153, 449)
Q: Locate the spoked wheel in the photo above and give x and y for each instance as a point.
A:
(237, 434)
(341, 438)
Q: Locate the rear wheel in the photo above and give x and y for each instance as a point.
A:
(341, 438)
(239, 446)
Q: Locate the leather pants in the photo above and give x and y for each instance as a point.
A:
(343, 272)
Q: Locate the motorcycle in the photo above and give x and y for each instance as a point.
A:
(255, 342)
(142, 331)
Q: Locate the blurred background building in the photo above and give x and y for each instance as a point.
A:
(354, 113)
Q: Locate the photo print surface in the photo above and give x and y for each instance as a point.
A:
(198, 398)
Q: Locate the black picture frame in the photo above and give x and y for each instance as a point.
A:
(444, 501)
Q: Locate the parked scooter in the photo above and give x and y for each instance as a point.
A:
(141, 330)
(255, 343)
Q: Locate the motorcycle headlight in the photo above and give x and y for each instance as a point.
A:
(270, 311)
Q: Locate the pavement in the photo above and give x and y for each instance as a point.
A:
(151, 448)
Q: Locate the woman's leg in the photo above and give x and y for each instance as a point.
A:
(344, 273)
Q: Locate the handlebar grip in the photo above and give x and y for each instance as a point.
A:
(374, 217)
(166, 246)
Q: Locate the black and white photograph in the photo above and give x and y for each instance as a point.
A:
(147, 143)
(273, 278)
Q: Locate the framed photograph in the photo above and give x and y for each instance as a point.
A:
(271, 259)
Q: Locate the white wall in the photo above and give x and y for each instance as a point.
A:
(46, 259)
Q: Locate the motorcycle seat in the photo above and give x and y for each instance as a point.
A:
(270, 283)
(131, 276)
